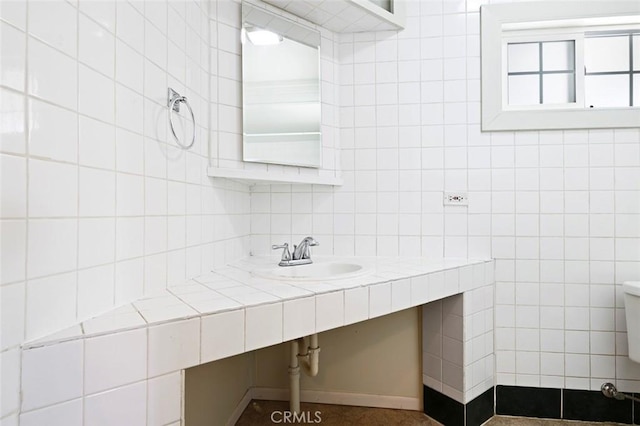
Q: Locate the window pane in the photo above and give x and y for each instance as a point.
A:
(524, 90)
(558, 89)
(607, 90)
(558, 56)
(606, 54)
(636, 90)
(523, 57)
(636, 53)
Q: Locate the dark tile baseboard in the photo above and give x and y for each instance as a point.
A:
(595, 407)
(480, 409)
(520, 401)
(450, 412)
(566, 404)
(528, 402)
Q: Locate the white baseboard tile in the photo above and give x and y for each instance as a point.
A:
(242, 405)
(341, 398)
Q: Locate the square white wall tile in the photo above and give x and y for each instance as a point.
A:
(13, 186)
(356, 305)
(164, 396)
(130, 26)
(129, 66)
(53, 189)
(13, 42)
(66, 413)
(115, 360)
(54, 132)
(53, 75)
(437, 288)
(400, 294)
(263, 326)
(96, 46)
(104, 13)
(96, 95)
(97, 193)
(51, 304)
(10, 385)
(13, 250)
(12, 105)
(379, 300)
(173, 347)
(52, 374)
(124, 405)
(96, 143)
(223, 335)
(12, 315)
(95, 290)
(299, 318)
(96, 241)
(329, 310)
(60, 33)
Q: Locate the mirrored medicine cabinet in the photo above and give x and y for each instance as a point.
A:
(280, 90)
(560, 65)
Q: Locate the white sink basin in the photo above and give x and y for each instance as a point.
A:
(314, 272)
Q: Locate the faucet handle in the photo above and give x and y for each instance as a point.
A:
(286, 254)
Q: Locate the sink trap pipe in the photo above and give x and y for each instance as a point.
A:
(307, 361)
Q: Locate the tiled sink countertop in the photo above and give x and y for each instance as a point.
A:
(226, 312)
(392, 285)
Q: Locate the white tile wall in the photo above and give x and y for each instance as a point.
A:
(164, 396)
(89, 91)
(52, 374)
(299, 317)
(173, 346)
(224, 327)
(98, 206)
(457, 340)
(115, 360)
(558, 209)
(125, 405)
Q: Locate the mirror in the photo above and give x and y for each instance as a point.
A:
(560, 65)
(280, 90)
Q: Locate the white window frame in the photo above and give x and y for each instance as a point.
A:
(500, 24)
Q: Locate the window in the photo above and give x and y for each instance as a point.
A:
(566, 66)
(541, 72)
(544, 72)
(612, 71)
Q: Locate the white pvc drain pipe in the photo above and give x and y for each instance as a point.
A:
(309, 361)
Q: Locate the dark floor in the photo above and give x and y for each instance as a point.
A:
(260, 413)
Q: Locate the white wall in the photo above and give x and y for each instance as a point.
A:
(559, 210)
(99, 206)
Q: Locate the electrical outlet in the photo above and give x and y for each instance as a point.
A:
(456, 199)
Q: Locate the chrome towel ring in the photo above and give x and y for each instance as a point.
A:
(173, 102)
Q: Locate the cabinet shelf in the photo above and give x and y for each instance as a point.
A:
(346, 16)
(254, 177)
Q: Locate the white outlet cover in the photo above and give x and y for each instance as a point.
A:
(456, 199)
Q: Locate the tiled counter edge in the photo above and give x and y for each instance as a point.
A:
(88, 379)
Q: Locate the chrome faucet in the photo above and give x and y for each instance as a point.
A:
(301, 253)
